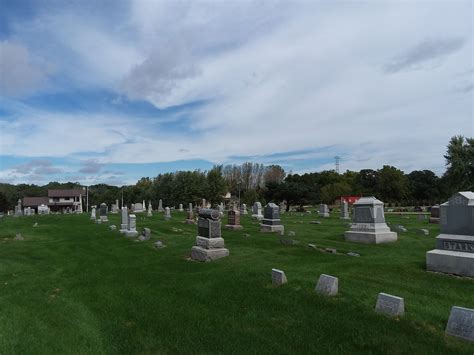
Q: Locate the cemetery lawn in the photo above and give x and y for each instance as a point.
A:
(76, 287)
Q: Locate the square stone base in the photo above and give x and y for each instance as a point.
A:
(201, 254)
(371, 237)
(234, 227)
(131, 234)
(210, 243)
(450, 262)
(267, 228)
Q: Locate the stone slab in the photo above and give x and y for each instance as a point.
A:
(454, 242)
(206, 255)
(278, 277)
(450, 262)
(210, 243)
(265, 228)
(131, 234)
(370, 238)
(390, 305)
(327, 285)
(461, 323)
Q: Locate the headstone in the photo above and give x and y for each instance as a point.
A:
(323, 210)
(35, 225)
(112, 227)
(167, 213)
(461, 323)
(221, 209)
(421, 217)
(43, 209)
(312, 246)
(160, 206)
(138, 207)
(243, 209)
(18, 211)
(368, 223)
(278, 277)
(351, 253)
(233, 220)
(315, 222)
(132, 226)
(331, 250)
(103, 212)
(399, 228)
(282, 207)
(190, 215)
(124, 224)
(454, 253)
(159, 244)
(19, 237)
(203, 203)
(181, 207)
(271, 222)
(327, 285)
(145, 235)
(93, 213)
(150, 209)
(390, 305)
(114, 208)
(257, 211)
(345, 210)
(209, 242)
(434, 217)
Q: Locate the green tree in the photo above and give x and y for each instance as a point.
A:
(216, 185)
(459, 174)
(424, 186)
(392, 184)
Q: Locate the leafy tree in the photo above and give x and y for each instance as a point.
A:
(4, 205)
(424, 185)
(392, 184)
(331, 192)
(459, 157)
(216, 185)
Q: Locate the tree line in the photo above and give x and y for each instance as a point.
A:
(250, 182)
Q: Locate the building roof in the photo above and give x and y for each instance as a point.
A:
(65, 193)
(35, 201)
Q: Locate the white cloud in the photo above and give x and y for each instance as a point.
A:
(20, 72)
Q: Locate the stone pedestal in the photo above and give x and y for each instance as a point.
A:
(454, 253)
(271, 222)
(323, 211)
(369, 225)
(210, 245)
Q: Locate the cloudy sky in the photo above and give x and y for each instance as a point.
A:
(109, 91)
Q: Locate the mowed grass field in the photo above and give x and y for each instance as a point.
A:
(76, 287)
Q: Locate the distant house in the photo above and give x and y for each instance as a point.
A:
(58, 200)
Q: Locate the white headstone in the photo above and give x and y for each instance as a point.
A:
(461, 323)
(327, 285)
(390, 305)
(278, 277)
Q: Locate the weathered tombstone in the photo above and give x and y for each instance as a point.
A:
(160, 206)
(159, 244)
(221, 209)
(124, 224)
(461, 323)
(93, 213)
(345, 210)
(368, 223)
(209, 242)
(167, 213)
(132, 226)
(454, 253)
(282, 207)
(243, 209)
(18, 236)
(43, 209)
(138, 207)
(190, 215)
(181, 207)
(203, 203)
(278, 277)
(150, 210)
(18, 211)
(271, 222)
(112, 227)
(257, 211)
(327, 285)
(434, 217)
(233, 220)
(145, 235)
(323, 210)
(103, 212)
(390, 305)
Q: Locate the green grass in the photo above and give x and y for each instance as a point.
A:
(76, 287)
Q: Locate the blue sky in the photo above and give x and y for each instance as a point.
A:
(110, 91)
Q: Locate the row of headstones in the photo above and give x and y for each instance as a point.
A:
(460, 322)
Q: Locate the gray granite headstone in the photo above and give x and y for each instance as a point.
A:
(323, 210)
(345, 210)
(327, 285)
(461, 323)
(390, 305)
(271, 219)
(278, 277)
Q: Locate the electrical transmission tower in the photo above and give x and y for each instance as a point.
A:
(337, 159)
